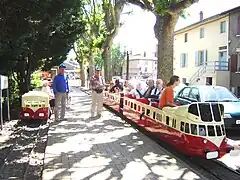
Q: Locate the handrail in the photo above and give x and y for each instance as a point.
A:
(210, 66)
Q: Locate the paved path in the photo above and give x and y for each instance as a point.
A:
(105, 149)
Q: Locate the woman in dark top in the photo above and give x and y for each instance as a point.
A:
(116, 87)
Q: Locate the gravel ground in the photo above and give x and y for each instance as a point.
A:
(22, 150)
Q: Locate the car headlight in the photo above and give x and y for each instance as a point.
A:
(227, 116)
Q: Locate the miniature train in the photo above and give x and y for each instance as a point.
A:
(196, 129)
(35, 105)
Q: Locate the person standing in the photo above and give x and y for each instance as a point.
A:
(47, 89)
(60, 89)
(97, 85)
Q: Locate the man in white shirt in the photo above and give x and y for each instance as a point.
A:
(138, 91)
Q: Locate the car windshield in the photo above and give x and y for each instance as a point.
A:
(218, 94)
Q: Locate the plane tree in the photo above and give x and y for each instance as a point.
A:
(90, 42)
(167, 13)
(112, 13)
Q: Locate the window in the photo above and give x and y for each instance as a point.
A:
(185, 92)
(223, 27)
(183, 60)
(167, 120)
(194, 94)
(184, 80)
(187, 129)
(135, 106)
(211, 131)
(145, 69)
(194, 129)
(218, 129)
(238, 26)
(182, 126)
(202, 130)
(200, 57)
(201, 33)
(223, 129)
(193, 109)
(205, 111)
(238, 62)
(217, 94)
(185, 37)
(222, 48)
(208, 80)
(174, 121)
(159, 117)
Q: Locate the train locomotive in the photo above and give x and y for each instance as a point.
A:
(35, 105)
(196, 129)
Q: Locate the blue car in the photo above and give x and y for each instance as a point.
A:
(190, 94)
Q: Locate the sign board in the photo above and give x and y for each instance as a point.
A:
(3, 82)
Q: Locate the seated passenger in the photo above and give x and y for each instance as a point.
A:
(167, 96)
(117, 87)
(150, 90)
(157, 91)
(111, 84)
(138, 91)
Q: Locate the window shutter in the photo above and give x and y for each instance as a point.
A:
(205, 56)
(186, 60)
(181, 60)
(196, 59)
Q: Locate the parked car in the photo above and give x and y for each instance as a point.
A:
(178, 88)
(220, 94)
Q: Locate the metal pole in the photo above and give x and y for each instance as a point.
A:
(127, 70)
(8, 107)
(121, 103)
(1, 115)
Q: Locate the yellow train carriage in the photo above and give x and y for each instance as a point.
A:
(35, 105)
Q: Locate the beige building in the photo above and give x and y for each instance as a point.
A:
(141, 65)
(201, 50)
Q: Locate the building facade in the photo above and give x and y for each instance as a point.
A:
(141, 66)
(205, 52)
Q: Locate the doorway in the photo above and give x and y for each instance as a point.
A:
(209, 81)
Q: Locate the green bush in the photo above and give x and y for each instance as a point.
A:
(36, 81)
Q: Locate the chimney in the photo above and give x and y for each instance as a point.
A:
(201, 15)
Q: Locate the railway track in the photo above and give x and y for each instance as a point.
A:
(21, 146)
(212, 169)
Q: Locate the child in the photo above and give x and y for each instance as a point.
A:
(47, 89)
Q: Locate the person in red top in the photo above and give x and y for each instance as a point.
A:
(167, 96)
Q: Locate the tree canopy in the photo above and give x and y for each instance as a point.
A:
(37, 34)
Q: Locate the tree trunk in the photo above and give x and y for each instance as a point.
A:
(164, 32)
(91, 63)
(106, 62)
(24, 71)
(82, 73)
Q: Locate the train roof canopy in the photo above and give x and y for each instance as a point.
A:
(36, 94)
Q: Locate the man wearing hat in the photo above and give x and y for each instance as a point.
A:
(97, 86)
(60, 89)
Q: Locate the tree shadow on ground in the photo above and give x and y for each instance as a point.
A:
(115, 149)
(14, 152)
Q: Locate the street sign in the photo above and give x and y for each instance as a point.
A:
(3, 85)
(3, 82)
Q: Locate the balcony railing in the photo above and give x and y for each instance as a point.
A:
(211, 66)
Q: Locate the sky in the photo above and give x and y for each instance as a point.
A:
(137, 32)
